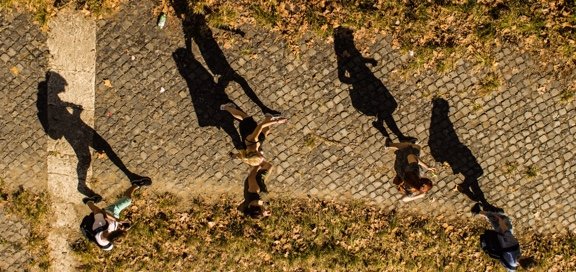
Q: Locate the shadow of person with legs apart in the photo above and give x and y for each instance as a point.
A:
(218, 64)
(446, 147)
(62, 119)
(368, 93)
(206, 96)
(195, 28)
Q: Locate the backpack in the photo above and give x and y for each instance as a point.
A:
(89, 233)
(490, 243)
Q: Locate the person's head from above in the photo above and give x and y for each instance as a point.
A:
(116, 235)
(421, 184)
(252, 157)
(426, 185)
(257, 209)
(119, 230)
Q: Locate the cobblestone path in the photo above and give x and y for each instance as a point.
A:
(23, 62)
(154, 101)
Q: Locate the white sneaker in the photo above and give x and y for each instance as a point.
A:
(412, 197)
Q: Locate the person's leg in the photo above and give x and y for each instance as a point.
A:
(118, 206)
(236, 112)
(400, 145)
(131, 190)
(101, 145)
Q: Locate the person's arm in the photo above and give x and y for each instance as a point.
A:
(426, 167)
(342, 71)
(94, 208)
(253, 137)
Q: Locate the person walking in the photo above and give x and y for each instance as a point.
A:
(252, 134)
(409, 180)
(499, 242)
(254, 186)
(106, 226)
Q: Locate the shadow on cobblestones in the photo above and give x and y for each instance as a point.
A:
(206, 95)
(196, 28)
(446, 147)
(368, 93)
(58, 122)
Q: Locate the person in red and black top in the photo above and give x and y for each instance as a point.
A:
(408, 166)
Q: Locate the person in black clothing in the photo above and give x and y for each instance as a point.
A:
(499, 243)
(254, 186)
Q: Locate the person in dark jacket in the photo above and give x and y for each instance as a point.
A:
(499, 242)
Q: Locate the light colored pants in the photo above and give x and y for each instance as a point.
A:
(116, 208)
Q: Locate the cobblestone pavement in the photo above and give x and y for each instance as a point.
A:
(509, 140)
(23, 61)
(14, 256)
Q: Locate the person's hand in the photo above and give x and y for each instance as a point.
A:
(275, 119)
(280, 120)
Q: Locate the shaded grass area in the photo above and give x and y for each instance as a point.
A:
(304, 235)
(33, 208)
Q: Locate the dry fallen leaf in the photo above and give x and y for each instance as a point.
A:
(107, 83)
(15, 71)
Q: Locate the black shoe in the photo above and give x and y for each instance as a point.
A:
(143, 181)
(94, 198)
(476, 209)
(465, 189)
(272, 113)
(387, 142)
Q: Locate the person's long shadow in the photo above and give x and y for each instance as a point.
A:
(195, 28)
(62, 119)
(446, 147)
(206, 96)
(368, 93)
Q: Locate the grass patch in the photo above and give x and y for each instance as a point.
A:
(302, 235)
(43, 10)
(310, 141)
(567, 95)
(33, 208)
(531, 171)
(510, 167)
(489, 84)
